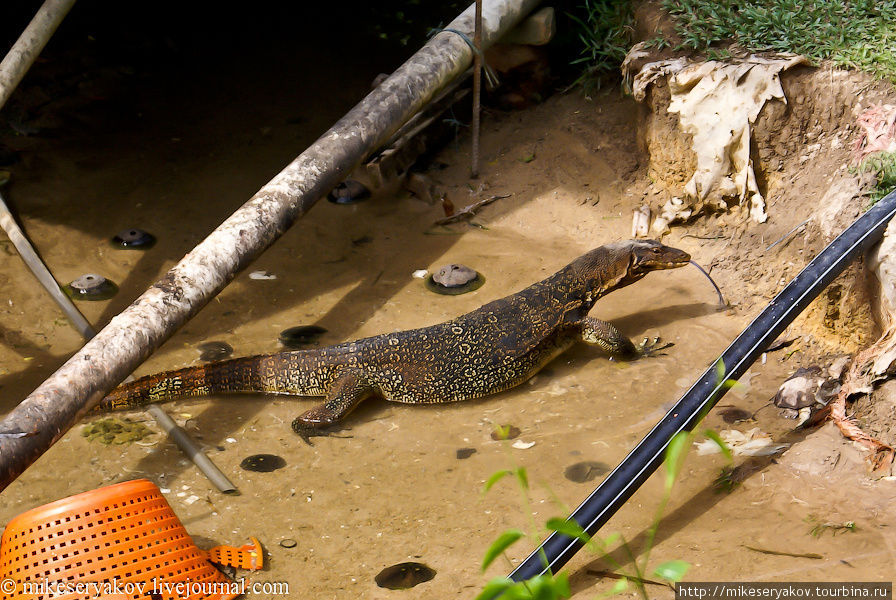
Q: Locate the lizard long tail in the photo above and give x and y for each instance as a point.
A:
(228, 376)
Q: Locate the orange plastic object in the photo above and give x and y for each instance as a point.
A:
(122, 541)
(248, 557)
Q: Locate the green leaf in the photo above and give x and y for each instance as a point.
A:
(674, 455)
(522, 477)
(568, 528)
(495, 586)
(495, 478)
(672, 570)
(714, 436)
(504, 541)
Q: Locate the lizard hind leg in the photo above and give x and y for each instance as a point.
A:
(344, 394)
(609, 339)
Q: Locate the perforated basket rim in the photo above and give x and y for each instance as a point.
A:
(82, 502)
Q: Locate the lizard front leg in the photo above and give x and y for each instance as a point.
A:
(344, 394)
(610, 340)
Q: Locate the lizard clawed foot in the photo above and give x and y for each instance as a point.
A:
(652, 347)
(306, 430)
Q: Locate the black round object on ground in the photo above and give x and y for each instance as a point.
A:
(263, 463)
(135, 239)
(404, 576)
(302, 335)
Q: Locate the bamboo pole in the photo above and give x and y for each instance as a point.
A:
(129, 338)
(20, 57)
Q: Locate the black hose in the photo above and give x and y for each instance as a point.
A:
(644, 459)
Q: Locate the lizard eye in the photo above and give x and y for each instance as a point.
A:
(655, 250)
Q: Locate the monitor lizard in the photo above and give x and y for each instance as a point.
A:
(491, 349)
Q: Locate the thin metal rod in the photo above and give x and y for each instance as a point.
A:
(477, 90)
(20, 57)
(40, 271)
(646, 457)
(131, 336)
(191, 449)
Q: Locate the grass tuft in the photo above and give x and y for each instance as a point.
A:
(858, 34)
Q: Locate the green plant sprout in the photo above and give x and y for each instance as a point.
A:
(551, 586)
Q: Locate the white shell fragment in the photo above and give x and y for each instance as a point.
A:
(749, 443)
(262, 275)
(420, 273)
(521, 445)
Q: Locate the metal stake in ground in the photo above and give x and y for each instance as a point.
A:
(477, 89)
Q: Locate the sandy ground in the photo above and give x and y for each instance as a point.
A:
(393, 488)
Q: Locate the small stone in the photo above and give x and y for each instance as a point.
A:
(454, 275)
(288, 543)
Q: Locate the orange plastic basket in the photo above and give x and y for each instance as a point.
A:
(122, 541)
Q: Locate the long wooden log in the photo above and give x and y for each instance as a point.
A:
(57, 404)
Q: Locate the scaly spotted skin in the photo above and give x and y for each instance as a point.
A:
(493, 348)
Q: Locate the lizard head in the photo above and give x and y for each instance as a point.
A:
(622, 263)
(647, 255)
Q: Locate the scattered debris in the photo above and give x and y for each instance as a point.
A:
(811, 555)
(834, 528)
(749, 443)
(470, 210)
(262, 275)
